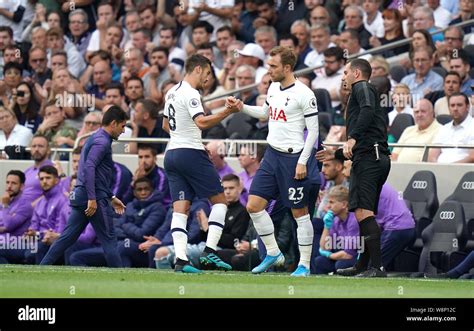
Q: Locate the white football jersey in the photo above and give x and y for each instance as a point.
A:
(287, 109)
(182, 105)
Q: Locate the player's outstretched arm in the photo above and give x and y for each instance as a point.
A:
(253, 111)
(207, 122)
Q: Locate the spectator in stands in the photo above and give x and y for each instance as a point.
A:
(319, 16)
(169, 40)
(452, 84)
(147, 123)
(458, 132)
(381, 68)
(453, 42)
(392, 24)
(115, 95)
(54, 128)
(92, 122)
(132, 22)
(349, 41)
(466, 8)
(147, 168)
(157, 74)
(423, 132)
(217, 151)
(25, 107)
(134, 91)
(300, 29)
(38, 37)
(201, 34)
(260, 131)
(106, 16)
(354, 20)
(58, 60)
(401, 99)
(332, 172)
(267, 15)
(227, 74)
(320, 41)
(15, 208)
(12, 133)
(79, 30)
(207, 50)
(47, 221)
(99, 56)
(6, 39)
(442, 16)
(266, 37)
(459, 62)
(224, 36)
(246, 255)
(424, 80)
(12, 76)
(253, 55)
(249, 160)
(244, 28)
(213, 89)
(423, 18)
(40, 152)
(150, 22)
(245, 76)
(38, 63)
(340, 225)
(56, 42)
(331, 78)
(143, 217)
(216, 14)
(373, 20)
(135, 64)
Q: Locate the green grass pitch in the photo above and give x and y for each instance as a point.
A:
(72, 282)
(69, 282)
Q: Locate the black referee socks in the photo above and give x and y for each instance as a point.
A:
(370, 232)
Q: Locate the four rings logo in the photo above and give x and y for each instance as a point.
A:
(467, 186)
(447, 215)
(419, 184)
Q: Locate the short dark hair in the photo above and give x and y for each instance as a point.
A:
(77, 150)
(115, 86)
(453, 73)
(7, 29)
(205, 46)
(161, 49)
(50, 170)
(363, 66)
(337, 51)
(271, 3)
(142, 180)
(19, 174)
(231, 177)
(457, 94)
(135, 77)
(287, 36)
(225, 28)
(203, 24)
(196, 60)
(114, 113)
(13, 65)
(460, 54)
(354, 34)
(174, 32)
(150, 106)
(148, 147)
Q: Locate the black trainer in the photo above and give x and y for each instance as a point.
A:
(349, 272)
(373, 273)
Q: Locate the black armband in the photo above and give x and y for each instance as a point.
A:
(18, 15)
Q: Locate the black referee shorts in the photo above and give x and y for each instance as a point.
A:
(367, 178)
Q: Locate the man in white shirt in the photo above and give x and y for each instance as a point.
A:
(217, 13)
(320, 41)
(373, 21)
(460, 131)
(452, 84)
(349, 42)
(9, 9)
(442, 16)
(12, 133)
(401, 102)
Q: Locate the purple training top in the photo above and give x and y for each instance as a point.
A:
(346, 232)
(33, 188)
(16, 216)
(393, 213)
(47, 211)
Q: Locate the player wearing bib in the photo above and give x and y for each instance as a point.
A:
(188, 167)
(289, 167)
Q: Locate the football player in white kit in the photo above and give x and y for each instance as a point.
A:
(188, 167)
(289, 168)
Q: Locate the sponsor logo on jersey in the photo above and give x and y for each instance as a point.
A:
(277, 115)
(312, 103)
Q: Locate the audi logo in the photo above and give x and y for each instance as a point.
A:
(467, 185)
(447, 215)
(419, 184)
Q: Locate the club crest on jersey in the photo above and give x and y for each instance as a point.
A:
(193, 103)
(277, 115)
(313, 103)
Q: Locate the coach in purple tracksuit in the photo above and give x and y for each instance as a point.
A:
(396, 223)
(15, 215)
(339, 240)
(92, 199)
(46, 221)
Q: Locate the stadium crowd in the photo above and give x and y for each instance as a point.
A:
(64, 63)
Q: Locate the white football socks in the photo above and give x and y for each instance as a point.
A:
(180, 235)
(264, 226)
(216, 225)
(305, 236)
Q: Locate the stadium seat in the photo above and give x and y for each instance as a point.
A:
(325, 123)
(443, 119)
(444, 239)
(464, 194)
(323, 98)
(440, 71)
(239, 126)
(421, 197)
(397, 72)
(400, 123)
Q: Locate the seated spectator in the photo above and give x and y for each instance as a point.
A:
(79, 32)
(465, 14)
(253, 55)
(15, 215)
(401, 102)
(452, 84)
(354, 20)
(300, 29)
(213, 89)
(201, 34)
(26, 107)
(381, 68)
(249, 160)
(460, 131)
(460, 64)
(332, 172)
(260, 131)
(331, 78)
(217, 152)
(92, 123)
(423, 18)
(121, 179)
(48, 220)
(453, 42)
(319, 15)
(373, 19)
(420, 39)
(340, 238)
(424, 80)
(147, 123)
(38, 62)
(423, 132)
(236, 219)
(320, 41)
(148, 168)
(157, 74)
(245, 75)
(12, 133)
(142, 218)
(169, 40)
(40, 152)
(102, 75)
(266, 37)
(134, 91)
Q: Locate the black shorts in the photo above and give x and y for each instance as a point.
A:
(367, 178)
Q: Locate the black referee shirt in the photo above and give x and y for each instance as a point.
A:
(365, 119)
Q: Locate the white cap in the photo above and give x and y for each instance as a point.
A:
(253, 50)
